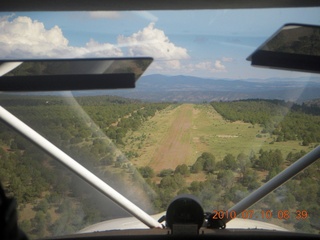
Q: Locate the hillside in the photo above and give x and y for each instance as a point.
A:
(313, 102)
(196, 90)
(153, 152)
(191, 148)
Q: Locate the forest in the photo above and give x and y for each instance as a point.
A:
(33, 178)
(49, 196)
(288, 121)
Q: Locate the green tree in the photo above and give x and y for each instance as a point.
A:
(226, 178)
(208, 161)
(205, 162)
(269, 159)
(243, 163)
(183, 169)
(209, 165)
(39, 223)
(228, 162)
(146, 172)
(273, 172)
(195, 187)
(165, 172)
(168, 182)
(249, 180)
(42, 206)
(179, 180)
(197, 167)
(236, 193)
(289, 201)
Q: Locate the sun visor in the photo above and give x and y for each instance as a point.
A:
(71, 74)
(293, 47)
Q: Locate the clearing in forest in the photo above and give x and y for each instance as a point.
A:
(181, 133)
(174, 147)
(173, 136)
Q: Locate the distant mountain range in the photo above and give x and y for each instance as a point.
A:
(194, 89)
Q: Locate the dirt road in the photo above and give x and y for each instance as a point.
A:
(175, 145)
(176, 135)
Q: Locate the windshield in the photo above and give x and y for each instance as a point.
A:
(200, 121)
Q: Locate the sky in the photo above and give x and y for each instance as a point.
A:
(204, 43)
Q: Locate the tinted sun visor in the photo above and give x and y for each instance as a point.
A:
(71, 74)
(293, 47)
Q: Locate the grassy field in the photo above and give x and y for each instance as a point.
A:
(180, 133)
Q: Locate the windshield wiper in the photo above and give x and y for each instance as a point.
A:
(77, 168)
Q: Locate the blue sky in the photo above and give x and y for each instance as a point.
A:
(205, 43)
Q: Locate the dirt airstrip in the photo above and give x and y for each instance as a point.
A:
(175, 146)
(175, 136)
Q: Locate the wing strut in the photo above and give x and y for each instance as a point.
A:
(275, 182)
(81, 171)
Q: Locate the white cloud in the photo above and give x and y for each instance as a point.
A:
(151, 41)
(105, 14)
(203, 65)
(96, 49)
(24, 38)
(219, 66)
(215, 67)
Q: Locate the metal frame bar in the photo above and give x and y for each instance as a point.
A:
(276, 182)
(111, 5)
(75, 167)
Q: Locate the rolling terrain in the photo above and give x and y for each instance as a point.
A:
(197, 90)
(180, 133)
(152, 152)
